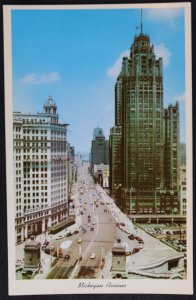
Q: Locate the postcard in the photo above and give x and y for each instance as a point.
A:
(98, 108)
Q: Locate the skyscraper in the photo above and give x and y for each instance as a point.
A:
(149, 153)
(99, 148)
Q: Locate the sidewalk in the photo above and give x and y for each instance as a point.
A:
(45, 258)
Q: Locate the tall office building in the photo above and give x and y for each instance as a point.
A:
(40, 171)
(99, 148)
(149, 134)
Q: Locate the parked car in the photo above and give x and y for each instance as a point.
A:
(93, 223)
(92, 229)
(131, 236)
(141, 246)
(135, 250)
(79, 240)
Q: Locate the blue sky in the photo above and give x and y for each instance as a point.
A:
(75, 56)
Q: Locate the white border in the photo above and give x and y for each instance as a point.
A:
(33, 287)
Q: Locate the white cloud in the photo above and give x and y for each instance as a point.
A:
(163, 14)
(162, 51)
(35, 78)
(114, 70)
(179, 97)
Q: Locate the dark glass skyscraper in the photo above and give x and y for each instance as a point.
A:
(147, 149)
(99, 148)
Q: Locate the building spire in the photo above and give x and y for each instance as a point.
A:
(141, 25)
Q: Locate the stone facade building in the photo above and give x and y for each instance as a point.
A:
(40, 171)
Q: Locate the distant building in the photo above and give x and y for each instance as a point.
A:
(99, 148)
(101, 172)
(40, 171)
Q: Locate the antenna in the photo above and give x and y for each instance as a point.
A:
(141, 21)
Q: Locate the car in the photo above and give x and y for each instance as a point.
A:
(68, 234)
(92, 229)
(93, 223)
(89, 225)
(118, 240)
(79, 240)
(105, 210)
(58, 253)
(67, 257)
(135, 250)
(131, 237)
(76, 231)
(93, 255)
(122, 224)
(59, 237)
(141, 246)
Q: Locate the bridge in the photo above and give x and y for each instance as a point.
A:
(158, 218)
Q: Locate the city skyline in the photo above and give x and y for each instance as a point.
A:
(94, 51)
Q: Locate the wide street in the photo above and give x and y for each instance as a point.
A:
(88, 243)
(98, 232)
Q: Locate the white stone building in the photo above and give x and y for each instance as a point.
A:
(40, 171)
